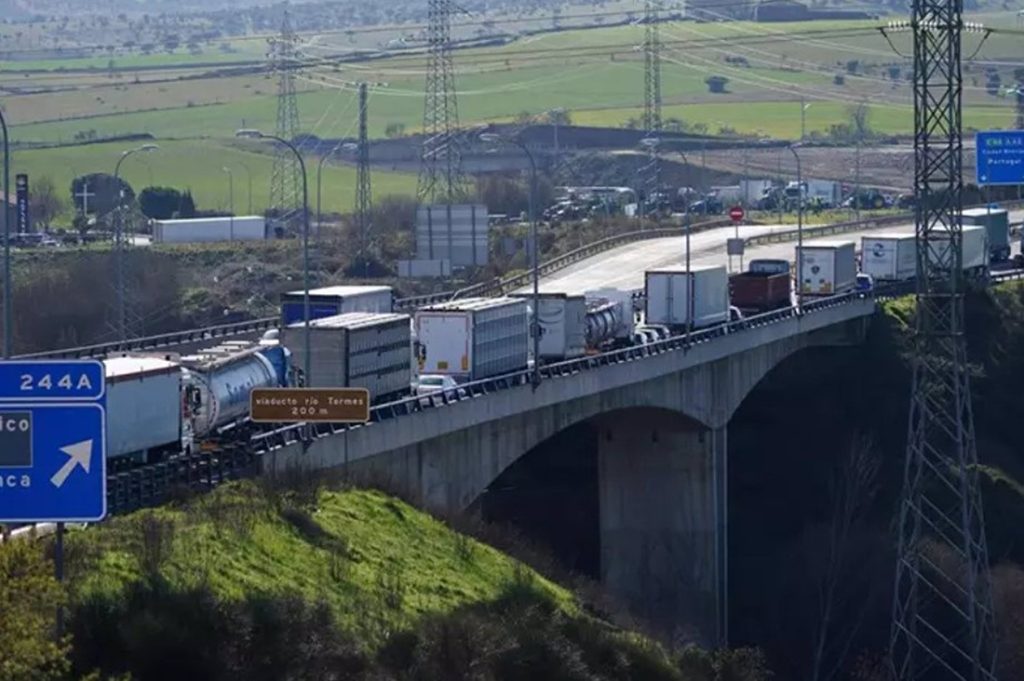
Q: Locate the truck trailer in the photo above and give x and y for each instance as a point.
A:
(334, 300)
(996, 222)
(473, 339)
(144, 408)
(208, 230)
(976, 253)
(668, 294)
(563, 324)
(889, 257)
(356, 350)
(766, 285)
(829, 267)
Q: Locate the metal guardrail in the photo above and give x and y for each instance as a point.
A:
(154, 483)
(159, 342)
(826, 230)
(277, 438)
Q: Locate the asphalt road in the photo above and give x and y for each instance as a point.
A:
(623, 268)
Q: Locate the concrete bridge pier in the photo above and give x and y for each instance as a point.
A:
(662, 493)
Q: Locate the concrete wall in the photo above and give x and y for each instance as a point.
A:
(662, 468)
(661, 481)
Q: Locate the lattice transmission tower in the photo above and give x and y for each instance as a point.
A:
(286, 178)
(441, 179)
(364, 198)
(650, 174)
(942, 608)
(652, 68)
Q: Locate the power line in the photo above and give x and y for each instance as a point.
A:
(942, 619)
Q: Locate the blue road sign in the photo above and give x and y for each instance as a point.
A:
(1000, 157)
(52, 442)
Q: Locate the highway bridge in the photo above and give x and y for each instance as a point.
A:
(662, 411)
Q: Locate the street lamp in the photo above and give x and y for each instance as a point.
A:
(493, 138)
(799, 229)
(345, 146)
(804, 106)
(8, 294)
(248, 174)
(653, 142)
(250, 133)
(122, 312)
(231, 202)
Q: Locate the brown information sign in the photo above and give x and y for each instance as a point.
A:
(300, 405)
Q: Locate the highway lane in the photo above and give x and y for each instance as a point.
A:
(623, 268)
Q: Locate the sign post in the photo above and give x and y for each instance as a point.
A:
(1000, 157)
(310, 405)
(53, 446)
(736, 244)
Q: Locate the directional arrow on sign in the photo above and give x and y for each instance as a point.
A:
(79, 454)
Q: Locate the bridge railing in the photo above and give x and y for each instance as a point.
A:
(281, 437)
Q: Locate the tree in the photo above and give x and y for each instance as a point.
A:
(29, 596)
(559, 117)
(45, 203)
(186, 207)
(104, 191)
(160, 203)
(859, 117)
(394, 130)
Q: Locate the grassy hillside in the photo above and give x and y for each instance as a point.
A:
(257, 583)
(366, 555)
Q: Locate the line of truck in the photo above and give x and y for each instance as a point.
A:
(160, 404)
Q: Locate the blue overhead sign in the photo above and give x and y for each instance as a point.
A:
(52, 442)
(1000, 157)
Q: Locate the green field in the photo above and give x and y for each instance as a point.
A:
(595, 74)
(198, 165)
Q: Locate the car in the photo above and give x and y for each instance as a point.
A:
(865, 283)
(431, 384)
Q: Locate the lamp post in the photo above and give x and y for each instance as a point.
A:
(231, 202)
(799, 230)
(804, 106)
(122, 312)
(250, 133)
(248, 174)
(493, 138)
(8, 294)
(347, 146)
(653, 142)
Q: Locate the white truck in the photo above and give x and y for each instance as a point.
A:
(563, 324)
(143, 407)
(473, 339)
(976, 251)
(826, 268)
(824, 193)
(889, 257)
(207, 230)
(753, 191)
(669, 293)
(356, 350)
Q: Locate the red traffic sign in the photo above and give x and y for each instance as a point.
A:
(736, 213)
